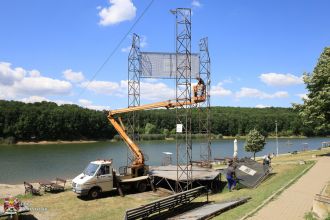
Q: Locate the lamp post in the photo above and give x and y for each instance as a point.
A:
(235, 155)
(276, 138)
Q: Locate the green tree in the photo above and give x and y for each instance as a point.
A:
(255, 142)
(166, 132)
(149, 128)
(315, 112)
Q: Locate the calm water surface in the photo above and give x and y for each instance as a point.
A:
(32, 162)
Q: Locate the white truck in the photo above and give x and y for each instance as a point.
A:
(99, 176)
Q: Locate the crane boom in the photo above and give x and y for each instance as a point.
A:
(165, 104)
(139, 158)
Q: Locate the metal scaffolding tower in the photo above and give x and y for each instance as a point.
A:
(204, 113)
(134, 72)
(183, 94)
(185, 66)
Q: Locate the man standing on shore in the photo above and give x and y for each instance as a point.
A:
(231, 175)
(267, 160)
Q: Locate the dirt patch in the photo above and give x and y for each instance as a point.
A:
(13, 190)
(19, 189)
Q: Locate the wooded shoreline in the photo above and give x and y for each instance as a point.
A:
(49, 122)
(114, 140)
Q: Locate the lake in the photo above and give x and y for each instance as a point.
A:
(20, 163)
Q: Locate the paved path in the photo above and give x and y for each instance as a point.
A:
(295, 201)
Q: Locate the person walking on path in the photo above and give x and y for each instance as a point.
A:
(231, 175)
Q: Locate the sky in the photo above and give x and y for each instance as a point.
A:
(259, 49)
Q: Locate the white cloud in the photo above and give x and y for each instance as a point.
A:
(14, 83)
(118, 11)
(279, 79)
(102, 87)
(156, 91)
(280, 94)
(84, 102)
(33, 99)
(88, 104)
(97, 107)
(255, 93)
(149, 90)
(63, 102)
(218, 90)
(302, 95)
(42, 85)
(196, 3)
(73, 76)
(262, 106)
(34, 73)
(9, 75)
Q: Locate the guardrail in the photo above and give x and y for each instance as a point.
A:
(169, 202)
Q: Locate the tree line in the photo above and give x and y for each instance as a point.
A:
(230, 121)
(47, 121)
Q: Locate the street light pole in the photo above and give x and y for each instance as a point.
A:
(276, 138)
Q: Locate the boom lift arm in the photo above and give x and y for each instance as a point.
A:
(199, 96)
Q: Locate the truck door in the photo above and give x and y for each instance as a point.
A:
(105, 180)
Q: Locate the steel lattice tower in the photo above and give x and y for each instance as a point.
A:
(134, 71)
(183, 94)
(204, 111)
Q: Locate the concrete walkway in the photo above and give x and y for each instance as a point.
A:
(295, 201)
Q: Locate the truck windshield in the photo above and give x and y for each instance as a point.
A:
(91, 169)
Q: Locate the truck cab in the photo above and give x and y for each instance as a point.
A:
(96, 178)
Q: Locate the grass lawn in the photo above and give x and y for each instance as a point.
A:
(66, 205)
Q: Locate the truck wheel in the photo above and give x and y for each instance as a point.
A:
(94, 193)
(142, 186)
